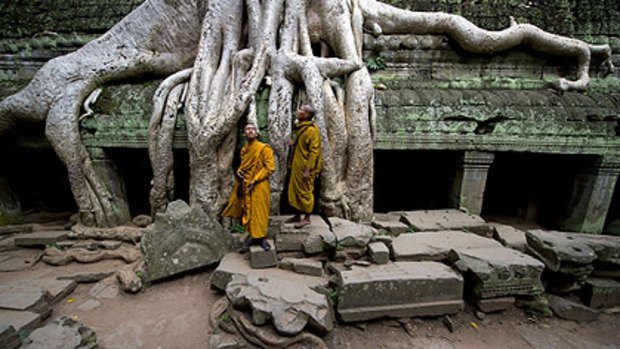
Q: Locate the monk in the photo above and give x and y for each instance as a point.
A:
(304, 166)
(251, 193)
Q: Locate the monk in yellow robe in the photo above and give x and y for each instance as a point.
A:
(304, 166)
(251, 193)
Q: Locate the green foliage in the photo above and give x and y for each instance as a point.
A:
(376, 63)
(237, 228)
(225, 318)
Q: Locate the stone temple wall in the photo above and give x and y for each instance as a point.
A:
(431, 95)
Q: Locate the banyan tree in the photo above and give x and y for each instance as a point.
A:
(215, 55)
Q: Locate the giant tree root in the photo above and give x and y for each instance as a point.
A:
(224, 317)
(122, 233)
(56, 257)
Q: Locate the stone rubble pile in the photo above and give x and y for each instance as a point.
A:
(411, 264)
(26, 304)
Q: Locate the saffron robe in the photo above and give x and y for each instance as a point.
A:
(251, 205)
(306, 154)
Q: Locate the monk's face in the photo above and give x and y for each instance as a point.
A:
(302, 114)
(251, 132)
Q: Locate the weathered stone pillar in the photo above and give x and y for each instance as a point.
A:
(470, 181)
(592, 193)
(110, 176)
(10, 209)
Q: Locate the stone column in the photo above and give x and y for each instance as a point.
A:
(110, 176)
(592, 193)
(470, 181)
(10, 208)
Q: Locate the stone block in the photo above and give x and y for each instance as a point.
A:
(302, 266)
(181, 239)
(510, 236)
(349, 254)
(378, 253)
(398, 289)
(557, 249)
(291, 306)
(350, 234)
(58, 289)
(9, 339)
(275, 224)
(492, 305)
(233, 264)
(260, 259)
(499, 271)
(601, 293)
(306, 238)
(22, 320)
(20, 297)
(19, 259)
(15, 229)
(451, 219)
(435, 246)
(570, 310)
(40, 239)
(62, 333)
(392, 228)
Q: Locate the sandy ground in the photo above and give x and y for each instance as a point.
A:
(173, 314)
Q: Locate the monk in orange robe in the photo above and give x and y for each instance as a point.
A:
(251, 193)
(304, 166)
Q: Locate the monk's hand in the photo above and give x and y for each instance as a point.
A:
(307, 174)
(241, 174)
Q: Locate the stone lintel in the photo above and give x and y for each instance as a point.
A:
(398, 289)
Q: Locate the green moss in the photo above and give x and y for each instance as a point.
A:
(12, 219)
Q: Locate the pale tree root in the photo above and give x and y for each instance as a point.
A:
(385, 19)
(167, 101)
(263, 337)
(136, 46)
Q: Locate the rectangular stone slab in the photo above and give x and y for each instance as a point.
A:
(398, 289)
(41, 238)
(233, 264)
(451, 219)
(21, 320)
(499, 271)
(435, 246)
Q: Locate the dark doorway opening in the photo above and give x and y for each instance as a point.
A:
(531, 188)
(135, 170)
(408, 180)
(38, 179)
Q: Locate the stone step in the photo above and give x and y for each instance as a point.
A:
(260, 259)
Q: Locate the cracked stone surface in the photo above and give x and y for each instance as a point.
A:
(436, 246)
(451, 219)
(499, 271)
(62, 333)
(182, 239)
(350, 234)
(291, 306)
(398, 289)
